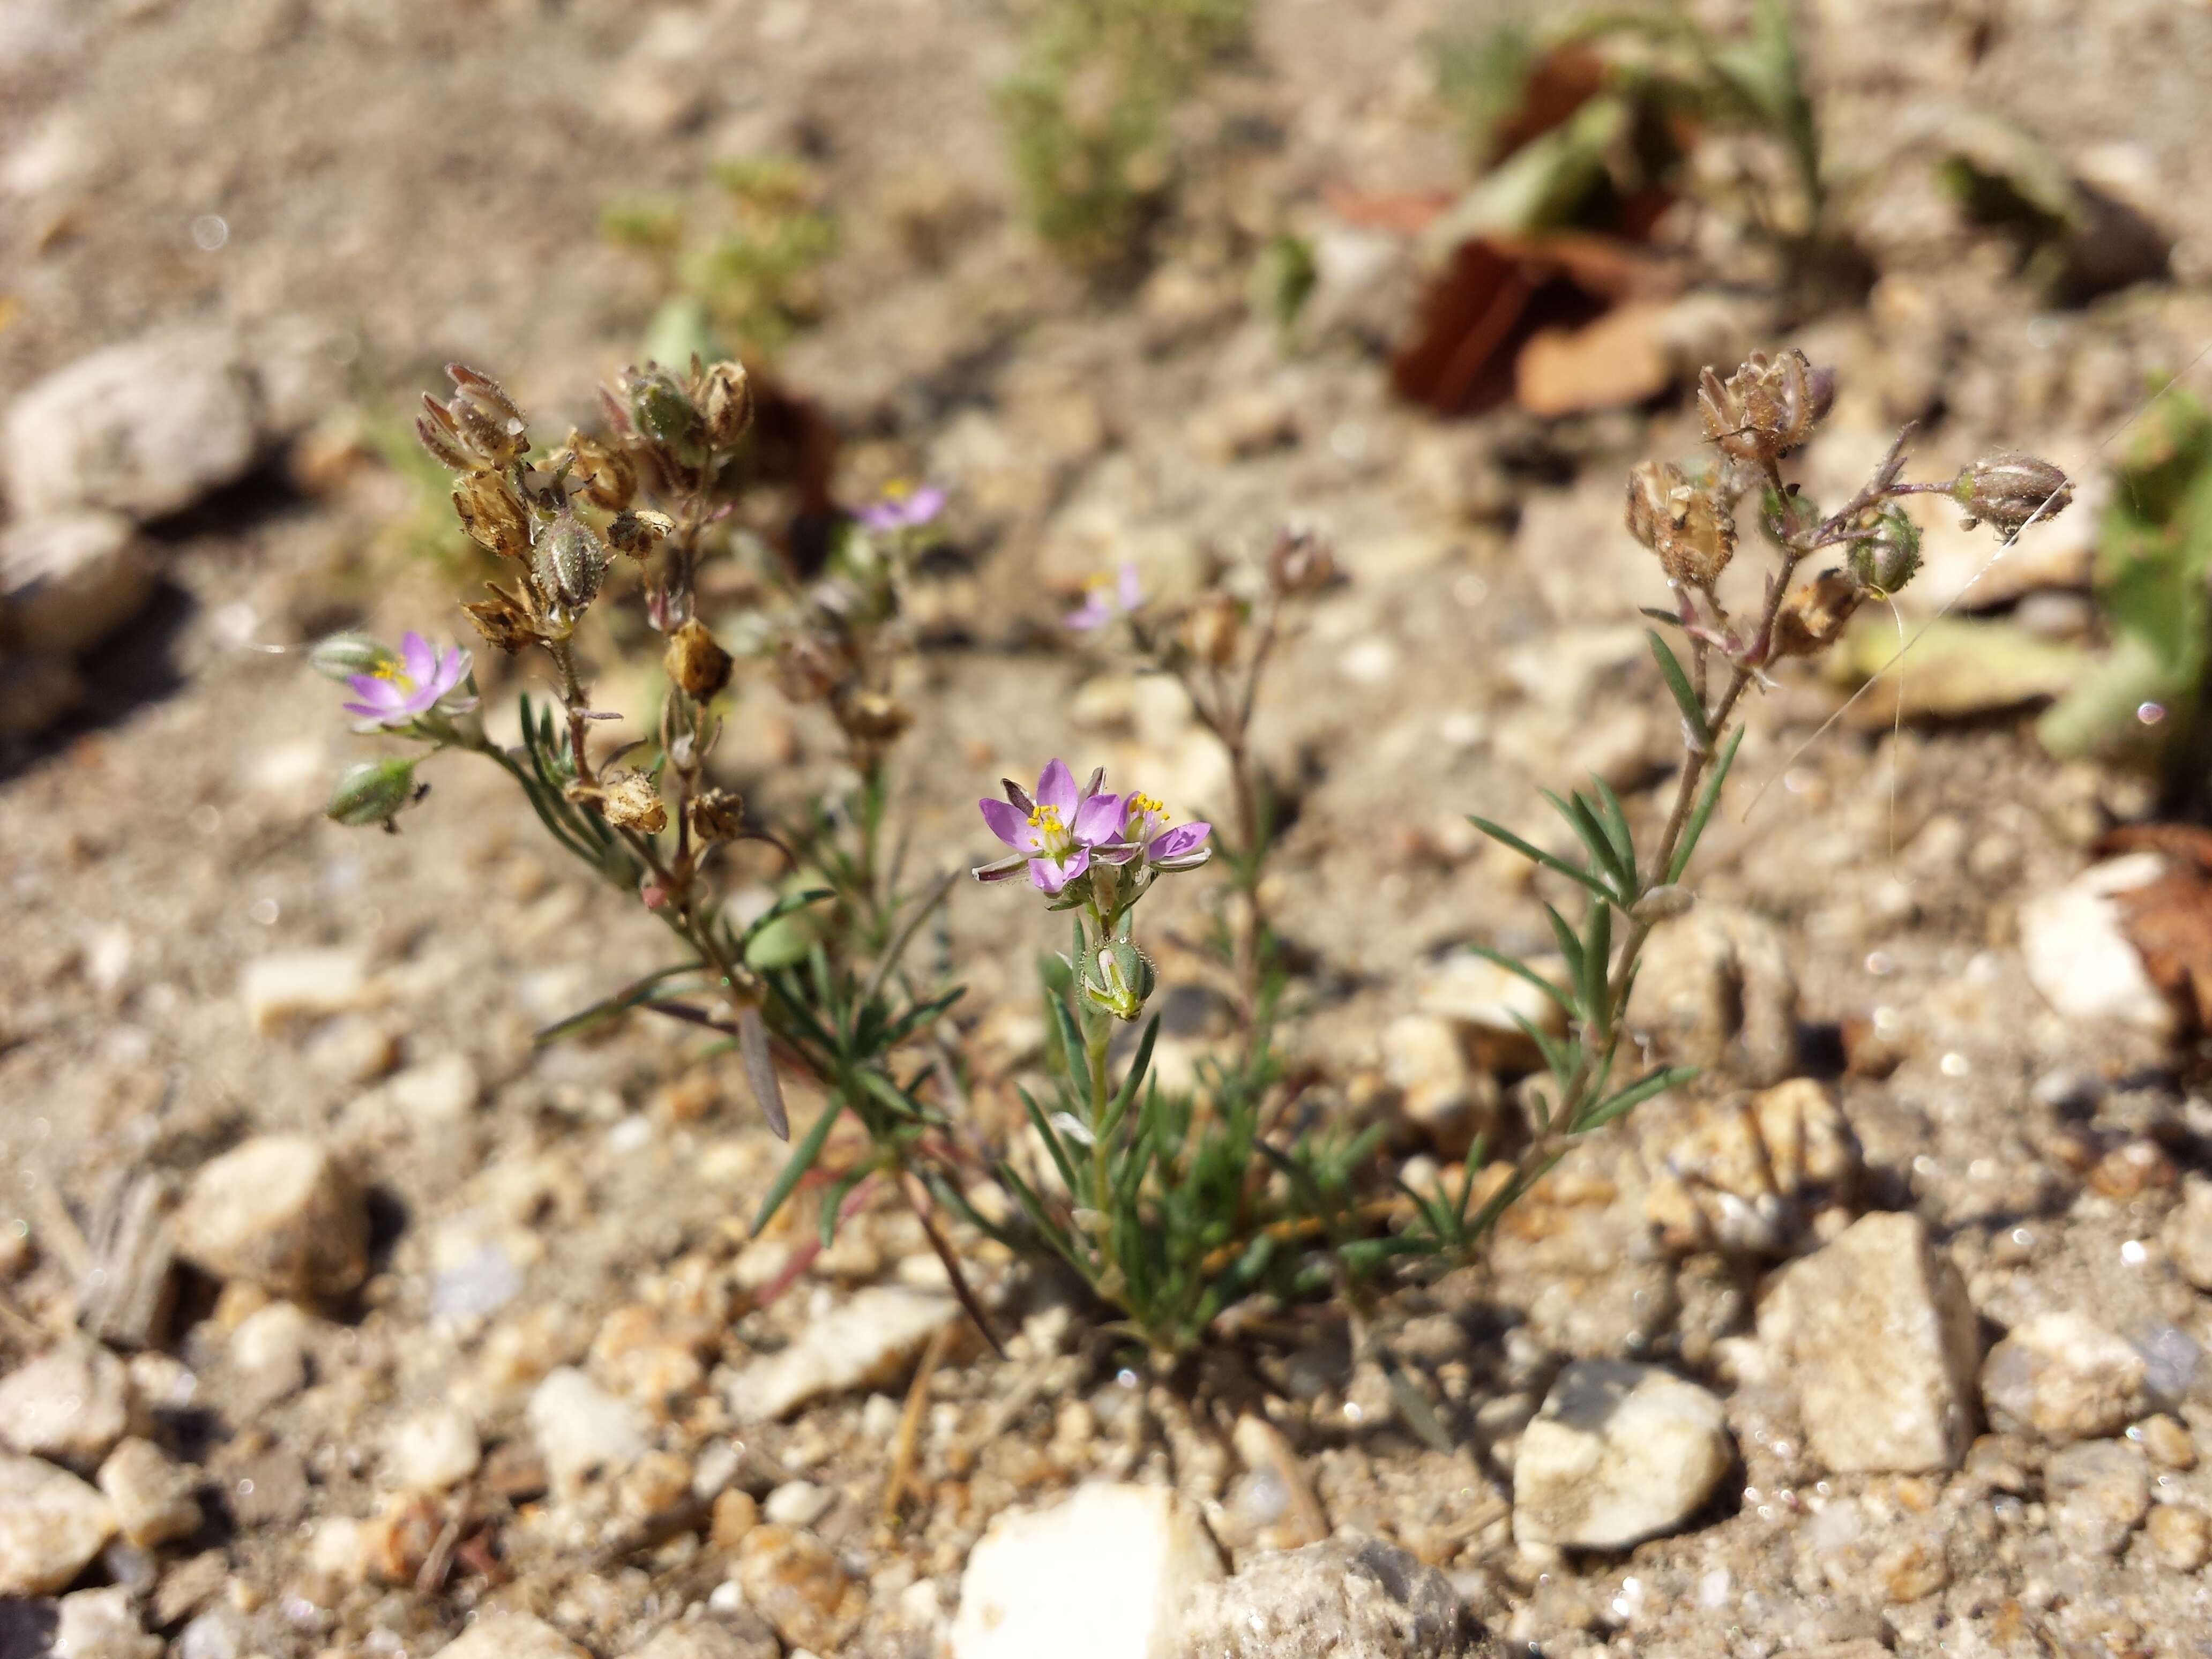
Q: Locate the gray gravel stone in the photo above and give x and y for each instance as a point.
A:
(1348, 1598)
(1619, 1453)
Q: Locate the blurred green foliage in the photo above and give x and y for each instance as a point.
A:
(1089, 109)
(745, 287)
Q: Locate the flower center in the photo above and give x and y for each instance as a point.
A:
(393, 673)
(1145, 809)
(1052, 835)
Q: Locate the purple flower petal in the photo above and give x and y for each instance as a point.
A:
(1116, 852)
(1056, 789)
(1051, 875)
(1098, 819)
(1178, 842)
(1000, 869)
(880, 517)
(1092, 615)
(1009, 823)
(1127, 589)
(365, 711)
(925, 504)
(370, 688)
(419, 659)
(452, 665)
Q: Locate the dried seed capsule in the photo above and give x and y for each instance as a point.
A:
(491, 514)
(2009, 489)
(1689, 524)
(1813, 618)
(502, 620)
(632, 802)
(437, 433)
(570, 562)
(717, 815)
(609, 479)
(372, 792)
(1300, 563)
(727, 404)
(875, 717)
(1767, 408)
(695, 661)
(635, 532)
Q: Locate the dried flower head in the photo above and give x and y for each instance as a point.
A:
(874, 716)
(1814, 617)
(2008, 491)
(717, 815)
(696, 661)
(810, 664)
(479, 426)
(1767, 408)
(631, 801)
(1688, 523)
(1300, 563)
(502, 620)
(639, 530)
(492, 514)
(726, 401)
(608, 478)
(1214, 627)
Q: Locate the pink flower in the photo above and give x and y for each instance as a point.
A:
(1054, 833)
(902, 506)
(406, 688)
(1106, 602)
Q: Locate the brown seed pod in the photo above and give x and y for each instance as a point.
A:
(1813, 618)
(1767, 408)
(695, 661)
(493, 516)
(1688, 523)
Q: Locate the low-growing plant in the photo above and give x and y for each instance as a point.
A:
(745, 282)
(1089, 109)
(1172, 1205)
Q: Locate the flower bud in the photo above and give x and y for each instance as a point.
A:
(632, 802)
(341, 656)
(1813, 618)
(436, 430)
(492, 515)
(1885, 562)
(636, 531)
(1687, 524)
(372, 792)
(1767, 408)
(2008, 490)
(662, 412)
(485, 417)
(1117, 979)
(727, 404)
(695, 661)
(717, 815)
(609, 479)
(570, 562)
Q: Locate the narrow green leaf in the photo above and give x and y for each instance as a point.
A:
(1050, 1136)
(1583, 822)
(1569, 946)
(1708, 798)
(834, 1200)
(1616, 825)
(1498, 832)
(1597, 962)
(1071, 1042)
(1521, 969)
(1138, 1065)
(1632, 1097)
(894, 1099)
(1678, 682)
(1559, 1058)
(794, 1167)
(638, 991)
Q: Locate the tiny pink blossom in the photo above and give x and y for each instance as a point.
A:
(1105, 602)
(419, 680)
